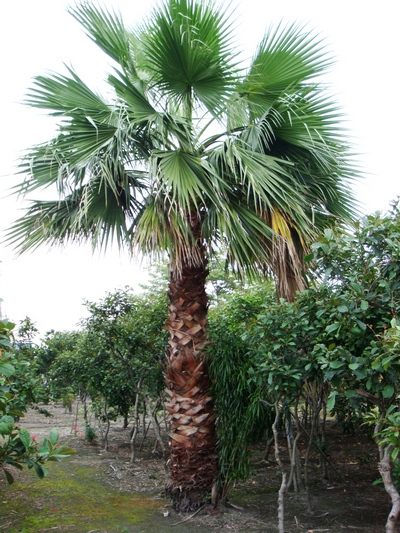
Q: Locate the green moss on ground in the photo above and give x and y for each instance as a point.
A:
(70, 500)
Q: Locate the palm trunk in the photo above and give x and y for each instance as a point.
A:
(193, 462)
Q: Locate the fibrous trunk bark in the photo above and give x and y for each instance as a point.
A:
(193, 461)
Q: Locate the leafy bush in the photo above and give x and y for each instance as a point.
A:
(242, 418)
(17, 446)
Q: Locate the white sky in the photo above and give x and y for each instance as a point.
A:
(39, 36)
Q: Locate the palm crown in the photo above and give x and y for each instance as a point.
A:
(193, 147)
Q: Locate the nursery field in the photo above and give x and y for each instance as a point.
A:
(97, 491)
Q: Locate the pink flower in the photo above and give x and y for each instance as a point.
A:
(33, 437)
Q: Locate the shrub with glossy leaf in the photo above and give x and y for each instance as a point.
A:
(17, 446)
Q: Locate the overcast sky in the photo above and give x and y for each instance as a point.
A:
(39, 36)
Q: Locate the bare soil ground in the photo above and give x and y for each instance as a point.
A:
(98, 491)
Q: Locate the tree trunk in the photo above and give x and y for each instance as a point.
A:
(107, 431)
(283, 487)
(126, 420)
(385, 470)
(193, 462)
(135, 428)
(157, 430)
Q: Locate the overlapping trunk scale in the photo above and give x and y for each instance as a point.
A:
(193, 461)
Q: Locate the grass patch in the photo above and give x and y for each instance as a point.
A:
(69, 500)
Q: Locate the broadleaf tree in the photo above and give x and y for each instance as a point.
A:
(194, 154)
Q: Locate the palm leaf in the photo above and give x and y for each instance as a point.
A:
(288, 58)
(67, 96)
(183, 179)
(187, 51)
(139, 107)
(107, 30)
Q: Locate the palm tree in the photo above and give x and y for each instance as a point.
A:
(194, 154)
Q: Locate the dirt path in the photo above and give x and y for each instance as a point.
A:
(99, 492)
